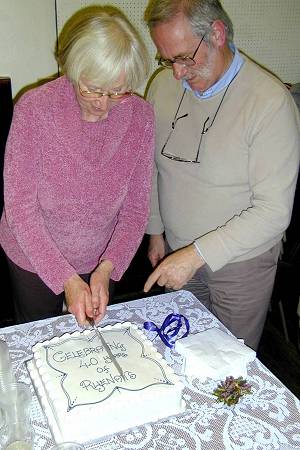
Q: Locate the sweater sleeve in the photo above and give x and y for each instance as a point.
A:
(273, 168)
(21, 179)
(133, 215)
(155, 224)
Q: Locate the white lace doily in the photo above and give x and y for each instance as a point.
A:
(269, 418)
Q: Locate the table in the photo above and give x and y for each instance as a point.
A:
(269, 418)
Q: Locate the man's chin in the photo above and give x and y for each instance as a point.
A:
(197, 84)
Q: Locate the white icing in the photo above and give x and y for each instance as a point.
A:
(83, 394)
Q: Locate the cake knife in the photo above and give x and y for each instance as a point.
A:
(106, 347)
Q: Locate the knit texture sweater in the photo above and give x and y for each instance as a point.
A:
(76, 192)
(237, 202)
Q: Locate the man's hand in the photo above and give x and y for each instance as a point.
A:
(78, 298)
(176, 269)
(99, 285)
(156, 249)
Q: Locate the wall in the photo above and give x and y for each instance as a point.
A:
(27, 29)
(267, 30)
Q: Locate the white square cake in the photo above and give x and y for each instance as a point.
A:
(82, 393)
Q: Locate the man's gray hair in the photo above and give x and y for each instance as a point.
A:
(200, 13)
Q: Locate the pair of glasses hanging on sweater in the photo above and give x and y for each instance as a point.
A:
(204, 130)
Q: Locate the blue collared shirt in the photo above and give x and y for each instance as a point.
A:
(230, 73)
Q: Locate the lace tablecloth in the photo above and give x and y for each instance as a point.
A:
(269, 418)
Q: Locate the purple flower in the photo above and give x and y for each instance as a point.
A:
(231, 390)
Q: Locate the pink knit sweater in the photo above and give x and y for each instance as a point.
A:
(76, 192)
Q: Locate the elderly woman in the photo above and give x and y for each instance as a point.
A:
(78, 172)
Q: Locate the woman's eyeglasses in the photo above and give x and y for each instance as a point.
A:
(95, 94)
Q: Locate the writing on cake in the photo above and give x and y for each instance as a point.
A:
(87, 374)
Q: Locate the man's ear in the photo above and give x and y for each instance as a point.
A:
(218, 34)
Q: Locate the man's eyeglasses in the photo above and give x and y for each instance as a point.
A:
(205, 129)
(95, 94)
(187, 61)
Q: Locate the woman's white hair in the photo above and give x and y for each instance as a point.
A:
(99, 44)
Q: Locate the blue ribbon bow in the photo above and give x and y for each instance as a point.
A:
(170, 328)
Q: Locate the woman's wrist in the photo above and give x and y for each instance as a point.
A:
(71, 279)
(105, 265)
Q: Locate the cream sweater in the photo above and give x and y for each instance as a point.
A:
(237, 202)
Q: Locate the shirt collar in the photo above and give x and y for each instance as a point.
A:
(230, 73)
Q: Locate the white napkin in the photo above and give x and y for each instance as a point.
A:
(214, 354)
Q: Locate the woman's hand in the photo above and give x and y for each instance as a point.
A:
(156, 249)
(99, 286)
(78, 298)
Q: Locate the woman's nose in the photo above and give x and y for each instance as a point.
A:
(102, 102)
(179, 71)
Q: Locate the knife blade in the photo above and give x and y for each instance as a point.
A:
(106, 347)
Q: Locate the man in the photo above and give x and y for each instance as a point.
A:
(226, 166)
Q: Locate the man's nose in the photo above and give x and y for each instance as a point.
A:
(179, 71)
